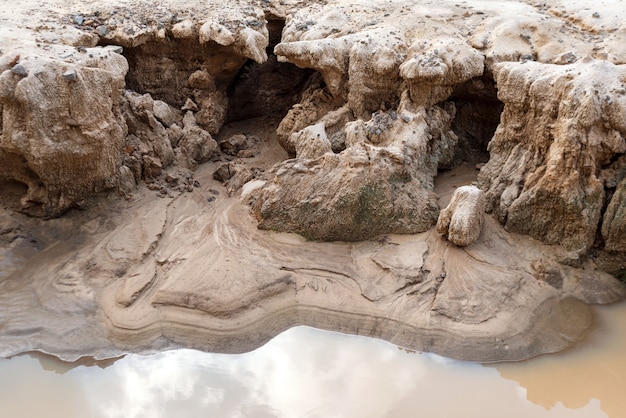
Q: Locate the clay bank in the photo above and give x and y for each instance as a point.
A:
(209, 174)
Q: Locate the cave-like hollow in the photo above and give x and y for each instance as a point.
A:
(12, 193)
(477, 117)
(268, 89)
(165, 69)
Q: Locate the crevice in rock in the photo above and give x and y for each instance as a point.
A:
(268, 89)
(12, 192)
(477, 116)
(165, 68)
(611, 174)
(182, 94)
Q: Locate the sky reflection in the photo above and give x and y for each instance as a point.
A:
(301, 373)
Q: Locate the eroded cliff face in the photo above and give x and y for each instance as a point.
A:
(69, 131)
(62, 130)
(359, 113)
(556, 157)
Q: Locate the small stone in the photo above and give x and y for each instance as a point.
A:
(66, 55)
(596, 15)
(102, 30)
(201, 79)
(79, 19)
(568, 57)
(115, 48)
(164, 113)
(234, 144)
(190, 105)
(19, 70)
(462, 220)
(70, 75)
(245, 153)
(153, 186)
(171, 179)
(223, 172)
(152, 166)
(210, 199)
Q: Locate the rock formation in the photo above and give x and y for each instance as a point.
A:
(363, 118)
(462, 220)
(558, 150)
(62, 130)
(382, 182)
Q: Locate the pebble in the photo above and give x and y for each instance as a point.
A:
(19, 70)
(569, 57)
(78, 19)
(115, 48)
(596, 15)
(70, 75)
(526, 57)
(102, 30)
(190, 105)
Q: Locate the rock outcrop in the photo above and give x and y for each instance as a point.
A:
(558, 150)
(62, 130)
(462, 220)
(381, 183)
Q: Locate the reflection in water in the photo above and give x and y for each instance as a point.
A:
(594, 370)
(53, 364)
(310, 373)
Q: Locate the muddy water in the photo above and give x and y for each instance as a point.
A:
(310, 373)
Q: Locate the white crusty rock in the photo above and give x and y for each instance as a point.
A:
(462, 220)
(311, 142)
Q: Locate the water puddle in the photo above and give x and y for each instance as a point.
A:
(594, 371)
(305, 372)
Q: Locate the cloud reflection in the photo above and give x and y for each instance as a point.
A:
(596, 369)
